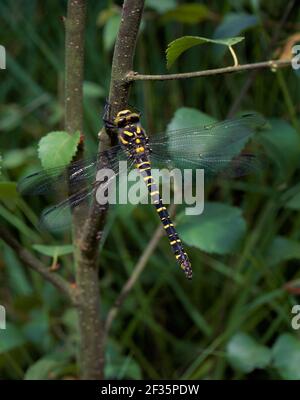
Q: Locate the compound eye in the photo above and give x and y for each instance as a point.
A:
(121, 122)
(135, 118)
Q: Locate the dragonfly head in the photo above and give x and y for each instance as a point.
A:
(125, 118)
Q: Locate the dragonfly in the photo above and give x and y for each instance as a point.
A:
(211, 147)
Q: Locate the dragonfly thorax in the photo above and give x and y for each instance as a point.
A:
(132, 136)
(134, 140)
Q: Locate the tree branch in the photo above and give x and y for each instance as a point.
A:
(134, 76)
(36, 265)
(91, 354)
(124, 53)
(88, 235)
(118, 98)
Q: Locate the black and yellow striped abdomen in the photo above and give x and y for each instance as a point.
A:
(134, 141)
(144, 168)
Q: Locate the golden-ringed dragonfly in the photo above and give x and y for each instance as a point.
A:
(212, 148)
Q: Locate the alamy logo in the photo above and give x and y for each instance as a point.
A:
(296, 319)
(2, 57)
(133, 190)
(296, 58)
(2, 317)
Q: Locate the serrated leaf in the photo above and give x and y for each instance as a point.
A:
(282, 249)
(8, 190)
(58, 148)
(54, 251)
(246, 354)
(218, 230)
(286, 355)
(188, 13)
(110, 31)
(178, 46)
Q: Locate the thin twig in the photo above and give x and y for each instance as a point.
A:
(36, 265)
(272, 64)
(138, 269)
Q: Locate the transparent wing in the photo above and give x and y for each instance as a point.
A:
(209, 137)
(73, 184)
(63, 178)
(214, 148)
(59, 216)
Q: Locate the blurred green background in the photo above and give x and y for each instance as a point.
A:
(233, 321)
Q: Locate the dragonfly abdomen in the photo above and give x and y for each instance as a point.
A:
(144, 168)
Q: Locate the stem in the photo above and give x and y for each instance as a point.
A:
(234, 56)
(91, 359)
(134, 76)
(124, 54)
(87, 237)
(36, 265)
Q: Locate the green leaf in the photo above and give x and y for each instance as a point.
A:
(92, 90)
(10, 338)
(118, 366)
(58, 148)
(282, 249)
(186, 117)
(110, 31)
(234, 23)
(294, 202)
(17, 157)
(37, 330)
(217, 230)
(188, 13)
(105, 14)
(160, 6)
(54, 251)
(52, 366)
(10, 117)
(8, 190)
(286, 355)
(178, 46)
(18, 281)
(282, 144)
(245, 354)
(42, 369)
